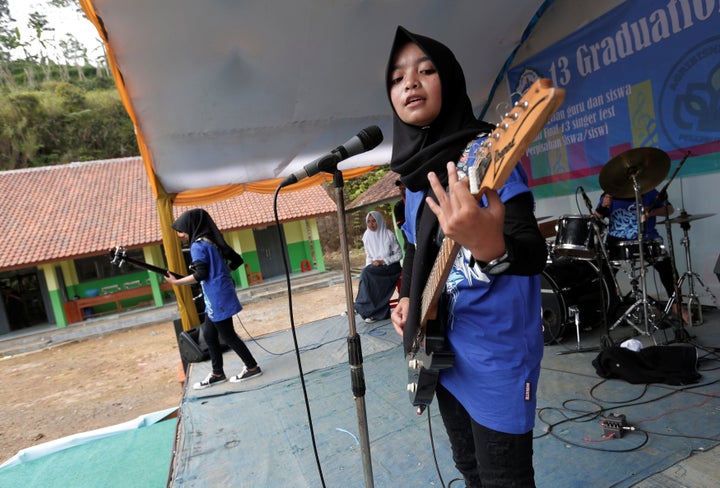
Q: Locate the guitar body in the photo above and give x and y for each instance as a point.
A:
(500, 152)
(426, 363)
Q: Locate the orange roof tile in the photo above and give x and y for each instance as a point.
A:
(382, 191)
(73, 210)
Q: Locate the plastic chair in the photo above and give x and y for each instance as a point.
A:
(252, 276)
(394, 301)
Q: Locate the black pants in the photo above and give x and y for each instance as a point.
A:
(225, 328)
(665, 272)
(486, 458)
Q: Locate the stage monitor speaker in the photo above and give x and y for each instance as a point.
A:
(192, 346)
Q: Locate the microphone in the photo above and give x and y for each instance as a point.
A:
(587, 200)
(366, 139)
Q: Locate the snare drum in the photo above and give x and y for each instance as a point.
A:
(575, 238)
(653, 250)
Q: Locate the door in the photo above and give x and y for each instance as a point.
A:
(270, 249)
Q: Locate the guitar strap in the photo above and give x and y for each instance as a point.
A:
(208, 241)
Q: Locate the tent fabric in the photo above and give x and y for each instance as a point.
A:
(176, 262)
(51, 447)
(230, 97)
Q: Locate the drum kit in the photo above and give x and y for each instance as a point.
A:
(579, 283)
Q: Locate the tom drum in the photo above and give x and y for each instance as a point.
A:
(575, 237)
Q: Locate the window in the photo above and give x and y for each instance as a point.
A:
(99, 267)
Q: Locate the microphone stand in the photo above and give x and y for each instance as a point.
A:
(355, 359)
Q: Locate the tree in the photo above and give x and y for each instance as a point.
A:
(9, 37)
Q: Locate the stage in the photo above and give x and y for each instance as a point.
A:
(257, 433)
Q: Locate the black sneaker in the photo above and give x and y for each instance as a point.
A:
(211, 379)
(246, 374)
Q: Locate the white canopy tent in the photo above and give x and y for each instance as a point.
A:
(231, 93)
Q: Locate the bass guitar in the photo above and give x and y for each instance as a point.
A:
(498, 155)
(119, 257)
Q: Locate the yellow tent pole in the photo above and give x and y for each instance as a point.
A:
(176, 261)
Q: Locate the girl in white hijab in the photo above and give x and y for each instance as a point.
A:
(381, 245)
(382, 269)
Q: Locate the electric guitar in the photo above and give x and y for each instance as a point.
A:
(118, 257)
(498, 155)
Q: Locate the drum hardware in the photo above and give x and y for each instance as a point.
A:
(574, 312)
(636, 172)
(684, 220)
(636, 314)
(690, 276)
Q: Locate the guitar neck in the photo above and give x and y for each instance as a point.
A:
(150, 267)
(438, 275)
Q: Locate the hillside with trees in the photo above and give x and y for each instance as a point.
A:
(59, 103)
(56, 104)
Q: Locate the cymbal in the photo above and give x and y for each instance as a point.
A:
(649, 165)
(683, 218)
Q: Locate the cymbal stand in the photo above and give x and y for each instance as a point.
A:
(680, 333)
(643, 303)
(690, 276)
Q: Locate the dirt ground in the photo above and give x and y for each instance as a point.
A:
(99, 382)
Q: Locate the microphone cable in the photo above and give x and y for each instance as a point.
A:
(283, 247)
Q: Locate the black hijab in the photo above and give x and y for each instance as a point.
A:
(197, 223)
(418, 150)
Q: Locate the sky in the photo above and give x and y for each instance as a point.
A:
(64, 20)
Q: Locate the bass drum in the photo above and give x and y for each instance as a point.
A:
(565, 283)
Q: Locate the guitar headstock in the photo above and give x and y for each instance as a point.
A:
(513, 135)
(118, 256)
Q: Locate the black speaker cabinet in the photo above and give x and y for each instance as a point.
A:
(191, 344)
(192, 348)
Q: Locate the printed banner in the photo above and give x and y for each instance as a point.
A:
(645, 74)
